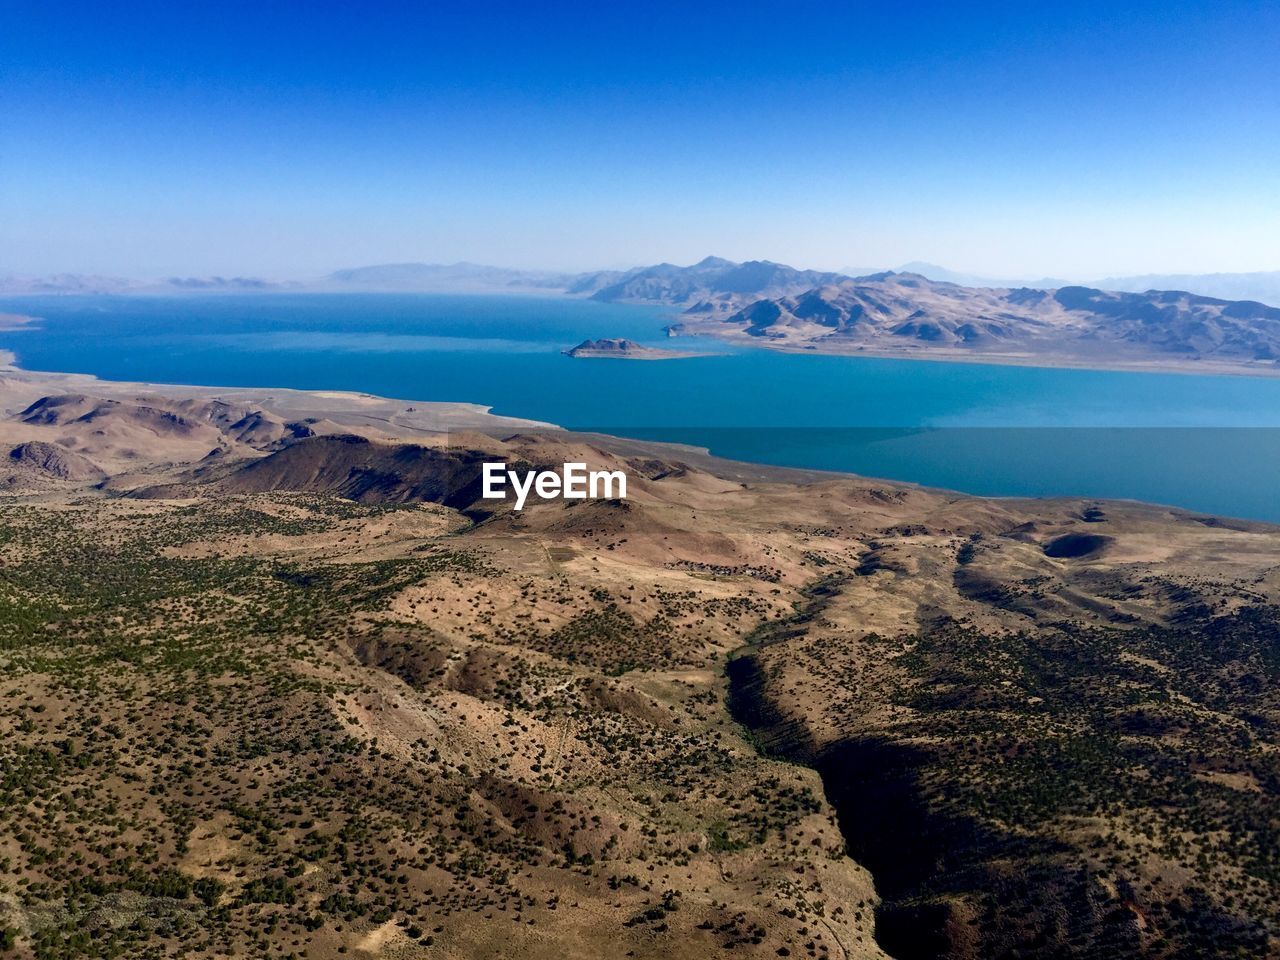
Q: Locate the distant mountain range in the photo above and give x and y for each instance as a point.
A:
(91, 284)
(1263, 286)
(453, 277)
(941, 274)
(722, 283)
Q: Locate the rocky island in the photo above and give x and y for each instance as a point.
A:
(624, 350)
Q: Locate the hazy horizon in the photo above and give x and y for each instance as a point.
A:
(313, 282)
(1081, 142)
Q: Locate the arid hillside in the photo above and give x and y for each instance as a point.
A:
(307, 696)
(904, 314)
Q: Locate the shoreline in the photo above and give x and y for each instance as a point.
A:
(1203, 368)
(407, 419)
(399, 418)
(14, 321)
(345, 407)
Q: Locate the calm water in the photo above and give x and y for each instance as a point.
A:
(1208, 443)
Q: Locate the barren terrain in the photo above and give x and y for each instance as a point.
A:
(277, 683)
(906, 315)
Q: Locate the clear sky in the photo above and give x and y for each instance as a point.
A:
(1026, 138)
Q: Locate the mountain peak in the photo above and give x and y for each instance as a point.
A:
(708, 262)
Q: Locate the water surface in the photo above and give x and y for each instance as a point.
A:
(1204, 442)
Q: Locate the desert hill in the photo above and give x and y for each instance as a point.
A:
(40, 460)
(123, 428)
(443, 277)
(909, 315)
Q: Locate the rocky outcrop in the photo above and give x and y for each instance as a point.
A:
(51, 460)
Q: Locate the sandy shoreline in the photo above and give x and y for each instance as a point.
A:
(386, 417)
(13, 321)
(20, 388)
(392, 418)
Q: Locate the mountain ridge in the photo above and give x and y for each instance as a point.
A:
(908, 314)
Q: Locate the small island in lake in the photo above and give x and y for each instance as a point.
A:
(625, 350)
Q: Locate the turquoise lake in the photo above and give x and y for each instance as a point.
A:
(1208, 443)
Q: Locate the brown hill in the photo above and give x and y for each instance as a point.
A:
(51, 460)
(119, 436)
(118, 433)
(377, 471)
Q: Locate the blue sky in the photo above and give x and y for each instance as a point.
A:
(278, 139)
